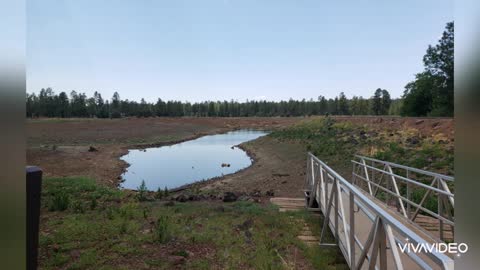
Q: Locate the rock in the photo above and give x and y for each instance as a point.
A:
(244, 198)
(413, 140)
(256, 193)
(229, 197)
(248, 237)
(353, 141)
(225, 165)
(195, 197)
(181, 198)
(92, 149)
(418, 122)
(284, 182)
(270, 193)
(280, 174)
(169, 203)
(75, 254)
(246, 225)
(176, 260)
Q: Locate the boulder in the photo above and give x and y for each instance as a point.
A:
(181, 198)
(229, 197)
(270, 193)
(418, 122)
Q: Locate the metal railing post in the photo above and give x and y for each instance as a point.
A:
(387, 231)
(34, 185)
(440, 210)
(336, 207)
(352, 230)
(409, 214)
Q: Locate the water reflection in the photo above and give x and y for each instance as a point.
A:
(187, 162)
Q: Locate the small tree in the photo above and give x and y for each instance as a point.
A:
(377, 102)
(166, 192)
(159, 193)
(142, 192)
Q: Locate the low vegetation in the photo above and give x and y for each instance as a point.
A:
(114, 230)
(336, 143)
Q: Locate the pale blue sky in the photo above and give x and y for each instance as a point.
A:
(224, 49)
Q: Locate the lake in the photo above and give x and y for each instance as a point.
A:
(187, 162)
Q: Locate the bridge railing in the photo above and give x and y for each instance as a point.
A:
(345, 207)
(412, 191)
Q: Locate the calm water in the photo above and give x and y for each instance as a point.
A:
(187, 162)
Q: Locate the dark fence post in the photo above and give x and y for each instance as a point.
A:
(34, 186)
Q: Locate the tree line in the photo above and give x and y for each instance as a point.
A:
(430, 94)
(49, 104)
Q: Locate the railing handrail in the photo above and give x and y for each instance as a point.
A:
(412, 169)
(406, 179)
(439, 258)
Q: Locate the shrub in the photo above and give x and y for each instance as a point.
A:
(60, 202)
(93, 204)
(123, 227)
(166, 192)
(78, 207)
(116, 114)
(162, 234)
(142, 192)
(110, 213)
(159, 194)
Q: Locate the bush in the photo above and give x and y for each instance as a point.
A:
(159, 194)
(60, 202)
(142, 192)
(116, 114)
(162, 234)
(78, 207)
(93, 203)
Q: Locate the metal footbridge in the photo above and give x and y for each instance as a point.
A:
(383, 207)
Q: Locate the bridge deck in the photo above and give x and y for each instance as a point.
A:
(363, 225)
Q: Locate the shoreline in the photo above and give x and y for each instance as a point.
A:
(241, 146)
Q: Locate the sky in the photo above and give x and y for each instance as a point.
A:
(229, 49)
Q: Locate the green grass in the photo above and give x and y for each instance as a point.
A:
(336, 143)
(121, 232)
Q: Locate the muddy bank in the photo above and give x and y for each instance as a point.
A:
(60, 147)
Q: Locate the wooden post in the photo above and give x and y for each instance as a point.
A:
(34, 186)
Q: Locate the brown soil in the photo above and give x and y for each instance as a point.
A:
(281, 166)
(278, 167)
(60, 146)
(424, 125)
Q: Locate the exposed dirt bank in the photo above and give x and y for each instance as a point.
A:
(61, 146)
